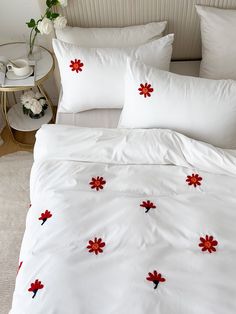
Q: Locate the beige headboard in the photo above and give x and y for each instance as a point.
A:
(180, 14)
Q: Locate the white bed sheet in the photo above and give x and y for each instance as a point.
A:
(108, 118)
(136, 240)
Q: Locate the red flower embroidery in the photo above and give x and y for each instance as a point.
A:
(145, 90)
(19, 267)
(45, 216)
(97, 183)
(76, 65)
(155, 278)
(96, 246)
(208, 244)
(194, 179)
(35, 286)
(148, 205)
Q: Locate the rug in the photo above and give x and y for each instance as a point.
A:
(14, 203)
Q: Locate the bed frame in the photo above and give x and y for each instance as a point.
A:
(180, 14)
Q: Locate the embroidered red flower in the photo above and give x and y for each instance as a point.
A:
(155, 277)
(45, 216)
(76, 65)
(208, 244)
(145, 90)
(19, 267)
(194, 179)
(97, 183)
(96, 246)
(35, 286)
(148, 205)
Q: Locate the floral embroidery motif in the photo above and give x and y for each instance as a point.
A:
(97, 183)
(96, 246)
(35, 286)
(208, 244)
(156, 278)
(145, 90)
(76, 66)
(19, 267)
(45, 216)
(148, 205)
(194, 179)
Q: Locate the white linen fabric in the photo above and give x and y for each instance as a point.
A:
(109, 118)
(218, 31)
(200, 108)
(136, 241)
(94, 78)
(111, 37)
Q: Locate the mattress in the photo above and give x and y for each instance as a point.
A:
(108, 118)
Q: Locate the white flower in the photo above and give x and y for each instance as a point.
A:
(45, 26)
(60, 22)
(35, 107)
(38, 95)
(63, 3)
(42, 102)
(26, 99)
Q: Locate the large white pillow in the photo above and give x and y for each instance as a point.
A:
(202, 109)
(99, 82)
(112, 37)
(218, 30)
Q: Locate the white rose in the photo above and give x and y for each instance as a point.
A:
(42, 102)
(45, 26)
(26, 99)
(38, 95)
(63, 3)
(35, 107)
(60, 22)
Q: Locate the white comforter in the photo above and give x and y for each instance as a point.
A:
(95, 245)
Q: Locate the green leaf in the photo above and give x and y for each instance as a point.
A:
(49, 14)
(54, 2)
(49, 4)
(31, 23)
(54, 15)
(36, 30)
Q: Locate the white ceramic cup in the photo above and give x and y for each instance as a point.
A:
(22, 68)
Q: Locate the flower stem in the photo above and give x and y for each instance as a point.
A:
(32, 40)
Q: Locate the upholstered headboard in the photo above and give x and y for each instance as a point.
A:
(180, 14)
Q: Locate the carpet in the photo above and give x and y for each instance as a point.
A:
(14, 203)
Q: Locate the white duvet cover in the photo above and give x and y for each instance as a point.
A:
(128, 222)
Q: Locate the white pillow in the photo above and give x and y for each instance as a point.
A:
(218, 30)
(200, 108)
(99, 83)
(112, 37)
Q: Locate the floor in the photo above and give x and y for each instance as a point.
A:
(14, 203)
(10, 146)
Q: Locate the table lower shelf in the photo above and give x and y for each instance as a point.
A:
(21, 122)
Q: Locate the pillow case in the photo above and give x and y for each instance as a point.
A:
(200, 108)
(218, 31)
(111, 37)
(93, 78)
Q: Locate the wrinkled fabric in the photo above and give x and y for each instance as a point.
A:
(137, 165)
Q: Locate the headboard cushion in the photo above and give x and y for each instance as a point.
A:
(180, 14)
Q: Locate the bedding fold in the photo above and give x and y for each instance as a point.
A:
(126, 146)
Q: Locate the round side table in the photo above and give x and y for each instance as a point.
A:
(14, 117)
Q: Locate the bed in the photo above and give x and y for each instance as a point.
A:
(128, 216)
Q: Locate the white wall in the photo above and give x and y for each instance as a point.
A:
(13, 16)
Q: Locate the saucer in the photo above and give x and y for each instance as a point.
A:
(11, 75)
